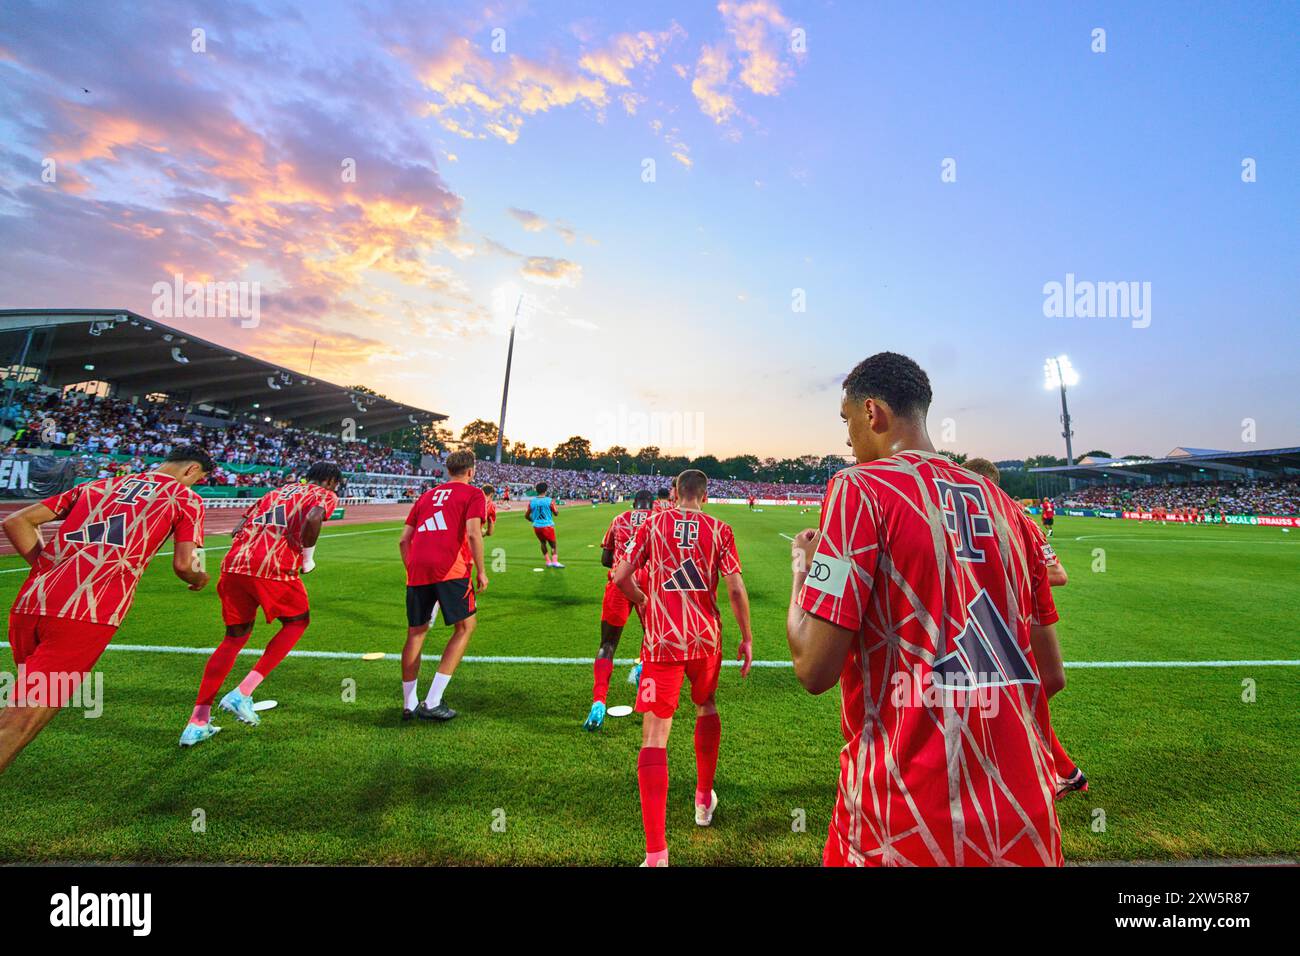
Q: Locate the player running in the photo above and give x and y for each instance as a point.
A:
(916, 597)
(80, 588)
(443, 537)
(616, 609)
(1049, 516)
(273, 545)
(682, 552)
(1042, 638)
(541, 513)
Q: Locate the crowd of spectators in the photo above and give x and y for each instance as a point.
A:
(98, 428)
(605, 486)
(1261, 496)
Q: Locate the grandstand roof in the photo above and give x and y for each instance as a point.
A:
(139, 356)
(1184, 462)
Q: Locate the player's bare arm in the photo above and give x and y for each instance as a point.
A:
(404, 544)
(818, 648)
(311, 526)
(1047, 655)
(1056, 576)
(474, 534)
(23, 529)
(185, 565)
(739, 598)
(627, 584)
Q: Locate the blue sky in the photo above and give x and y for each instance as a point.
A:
(777, 168)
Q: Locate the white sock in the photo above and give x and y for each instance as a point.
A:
(440, 682)
(410, 698)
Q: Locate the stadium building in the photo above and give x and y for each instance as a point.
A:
(120, 356)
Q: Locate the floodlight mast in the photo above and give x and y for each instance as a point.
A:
(1060, 373)
(505, 388)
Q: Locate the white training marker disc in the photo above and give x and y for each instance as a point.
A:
(622, 710)
(262, 705)
(373, 656)
(539, 569)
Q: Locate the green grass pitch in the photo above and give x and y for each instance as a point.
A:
(1181, 765)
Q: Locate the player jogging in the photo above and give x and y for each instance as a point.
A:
(271, 548)
(916, 597)
(1049, 516)
(615, 609)
(541, 515)
(443, 537)
(682, 552)
(1047, 650)
(80, 587)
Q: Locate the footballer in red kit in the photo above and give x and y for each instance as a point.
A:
(682, 554)
(441, 545)
(490, 518)
(1049, 515)
(80, 588)
(271, 548)
(918, 595)
(1042, 637)
(615, 608)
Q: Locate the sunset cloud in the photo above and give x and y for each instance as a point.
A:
(757, 41)
(478, 92)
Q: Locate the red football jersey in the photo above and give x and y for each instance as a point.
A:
(438, 549)
(1044, 605)
(269, 545)
(1049, 509)
(111, 528)
(622, 530)
(946, 759)
(683, 553)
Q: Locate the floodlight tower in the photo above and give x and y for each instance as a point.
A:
(505, 388)
(1059, 373)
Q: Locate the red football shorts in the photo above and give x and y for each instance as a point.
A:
(661, 683)
(616, 608)
(242, 594)
(546, 534)
(53, 654)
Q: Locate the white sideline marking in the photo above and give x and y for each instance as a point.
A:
(628, 661)
(1120, 537)
(226, 547)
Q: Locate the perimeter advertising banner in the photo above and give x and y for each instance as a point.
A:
(35, 476)
(1272, 521)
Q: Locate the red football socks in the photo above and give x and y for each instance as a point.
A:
(217, 670)
(652, 776)
(276, 651)
(708, 734)
(1064, 765)
(603, 667)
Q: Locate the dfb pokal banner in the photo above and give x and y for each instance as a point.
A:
(35, 476)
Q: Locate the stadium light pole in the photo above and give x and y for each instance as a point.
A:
(1059, 373)
(505, 388)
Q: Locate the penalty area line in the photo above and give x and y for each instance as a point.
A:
(628, 661)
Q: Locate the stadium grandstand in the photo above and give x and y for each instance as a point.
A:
(1188, 483)
(102, 390)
